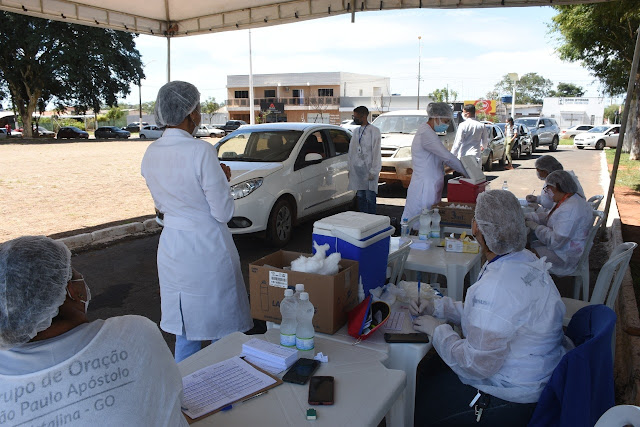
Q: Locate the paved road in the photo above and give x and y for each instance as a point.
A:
(123, 277)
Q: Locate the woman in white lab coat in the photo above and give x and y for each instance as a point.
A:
(544, 166)
(203, 296)
(428, 155)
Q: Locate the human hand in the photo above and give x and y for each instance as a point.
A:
(427, 324)
(426, 307)
(227, 171)
(531, 224)
(532, 198)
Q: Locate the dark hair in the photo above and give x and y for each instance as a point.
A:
(470, 108)
(361, 110)
(510, 120)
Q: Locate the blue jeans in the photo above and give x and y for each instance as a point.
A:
(366, 201)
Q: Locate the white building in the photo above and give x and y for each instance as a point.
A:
(573, 111)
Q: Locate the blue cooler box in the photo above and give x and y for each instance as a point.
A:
(360, 237)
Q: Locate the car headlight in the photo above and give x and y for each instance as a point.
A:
(403, 152)
(243, 189)
(590, 137)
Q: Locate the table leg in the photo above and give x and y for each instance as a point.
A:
(455, 282)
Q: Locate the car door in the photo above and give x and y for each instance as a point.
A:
(497, 141)
(315, 184)
(546, 133)
(339, 167)
(611, 139)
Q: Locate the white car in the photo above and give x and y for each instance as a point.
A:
(205, 130)
(45, 132)
(573, 131)
(282, 172)
(348, 124)
(598, 137)
(151, 131)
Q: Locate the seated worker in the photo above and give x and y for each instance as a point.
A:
(511, 329)
(57, 368)
(561, 232)
(544, 166)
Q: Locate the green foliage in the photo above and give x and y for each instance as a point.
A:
(444, 95)
(114, 114)
(530, 89)
(210, 106)
(567, 90)
(487, 117)
(70, 122)
(148, 107)
(610, 113)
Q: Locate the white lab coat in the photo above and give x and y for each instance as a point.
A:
(116, 372)
(470, 139)
(366, 160)
(512, 327)
(562, 236)
(201, 285)
(428, 155)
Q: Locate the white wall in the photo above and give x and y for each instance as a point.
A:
(573, 111)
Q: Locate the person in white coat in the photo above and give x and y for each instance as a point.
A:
(544, 166)
(365, 160)
(471, 138)
(58, 368)
(511, 321)
(428, 157)
(203, 296)
(561, 232)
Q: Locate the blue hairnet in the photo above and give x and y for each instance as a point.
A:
(439, 110)
(34, 271)
(501, 221)
(563, 181)
(175, 101)
(548, 163)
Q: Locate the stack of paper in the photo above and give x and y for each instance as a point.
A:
(271, 357)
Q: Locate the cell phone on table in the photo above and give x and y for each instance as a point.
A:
(415, 337)
(301, 371)
(321, 391)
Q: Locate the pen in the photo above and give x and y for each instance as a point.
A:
(253, 397)
(419, 277)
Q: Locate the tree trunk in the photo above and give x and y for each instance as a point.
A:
(634, 152)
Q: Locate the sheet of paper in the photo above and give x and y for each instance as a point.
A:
(395, 322)
(263, 364)
(218, 385)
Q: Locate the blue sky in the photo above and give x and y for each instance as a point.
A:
(468, 49)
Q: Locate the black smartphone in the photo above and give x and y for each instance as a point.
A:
(301, 371)
(417, 337)
(321, 391)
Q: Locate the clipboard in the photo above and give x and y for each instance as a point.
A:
(277, 382)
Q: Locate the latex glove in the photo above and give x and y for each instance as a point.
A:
(371, 177)
(427, 324)
(531, 224)
(426, 307)
(532, 198)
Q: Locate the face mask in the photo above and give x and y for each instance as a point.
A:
(539, 176)
(88, 298)
(442, 128)
(546, 201)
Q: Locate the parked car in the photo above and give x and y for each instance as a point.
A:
(544, 131)
(151, 131)
(3, 133)
(573, 131)
(111, 132)
(348, 124)
(397, 129)
(72, 132)
(598, 137)
(232, 125)
(16, 133)
(283, 172)
(205, 130)
(495, 150)
(134, 126)
(44, 132)
(522, 144)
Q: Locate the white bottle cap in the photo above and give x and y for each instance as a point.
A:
(288, 292)
(304, 296)
(299, 287)
(436, 210)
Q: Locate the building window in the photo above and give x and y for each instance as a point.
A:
(297, 93)
(269, 93)
(242, 94)
(325, 92)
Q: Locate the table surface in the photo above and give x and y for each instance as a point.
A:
(364, 389)
(435, 259)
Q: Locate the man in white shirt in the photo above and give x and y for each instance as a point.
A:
(471, 138)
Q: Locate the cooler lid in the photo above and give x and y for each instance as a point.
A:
(354, 224)
(476, 176)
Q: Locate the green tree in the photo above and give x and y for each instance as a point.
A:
(566, 90)
(149, 107)
(114, 114)
(530, 89)
(601, 36)
(74, 64)
(210, 106)
(610, 113)
(444, 95)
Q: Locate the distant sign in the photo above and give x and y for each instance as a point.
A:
(483, 105)
(272, 107)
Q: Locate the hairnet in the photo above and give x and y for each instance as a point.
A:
(34, 271)
(548, 163)
(563, 181)
(501, 221)
(175, 101)
(439, 110)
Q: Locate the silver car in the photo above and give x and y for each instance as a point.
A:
(544, 131)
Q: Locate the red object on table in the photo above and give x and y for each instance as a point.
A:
(464, 192)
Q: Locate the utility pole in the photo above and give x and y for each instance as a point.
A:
(419, 57)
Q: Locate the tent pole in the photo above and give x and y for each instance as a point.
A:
(168, 59)
(252, 117)
(623, 126)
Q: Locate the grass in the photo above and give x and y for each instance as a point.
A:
(628, 170)
(566, 141)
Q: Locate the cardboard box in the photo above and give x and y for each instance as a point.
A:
(457, 245)
(456, 216)
(332, 296)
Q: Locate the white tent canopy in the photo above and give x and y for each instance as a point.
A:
(180, 18)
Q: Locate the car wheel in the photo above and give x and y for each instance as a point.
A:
(280, 223)
(579, 147)
(489, 165)
(503, 159)
(142, 136)
(516, 155)
(554, 144)
(600, 145)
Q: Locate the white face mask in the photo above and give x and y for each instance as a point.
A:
(539, 176)
(546, 201)
(88, 291)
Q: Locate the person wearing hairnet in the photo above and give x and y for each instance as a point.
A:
(511, 320)
(562, 231)
(428, 157)
(57, 367)
(544, 166)
(203, 296)
(471, 138)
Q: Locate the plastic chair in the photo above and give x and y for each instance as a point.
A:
(580, 389)
(621, 415)
(396, 262)
(581, 272)
(608, 282)
(595, 201)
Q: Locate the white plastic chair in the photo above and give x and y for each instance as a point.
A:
(608, 282)
(595, 201)
(396, 262)
(620, 415)
(581, 272)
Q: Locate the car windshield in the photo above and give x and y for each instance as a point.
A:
(399, 124)
(259, 146)
(598, 129)
(528, 122)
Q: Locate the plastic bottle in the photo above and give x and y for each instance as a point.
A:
(289, 311)
(360, 290)
(425, 224)
(304, 329)
(505, 186)
(435, 224)
(404, 228)
(299, 290)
